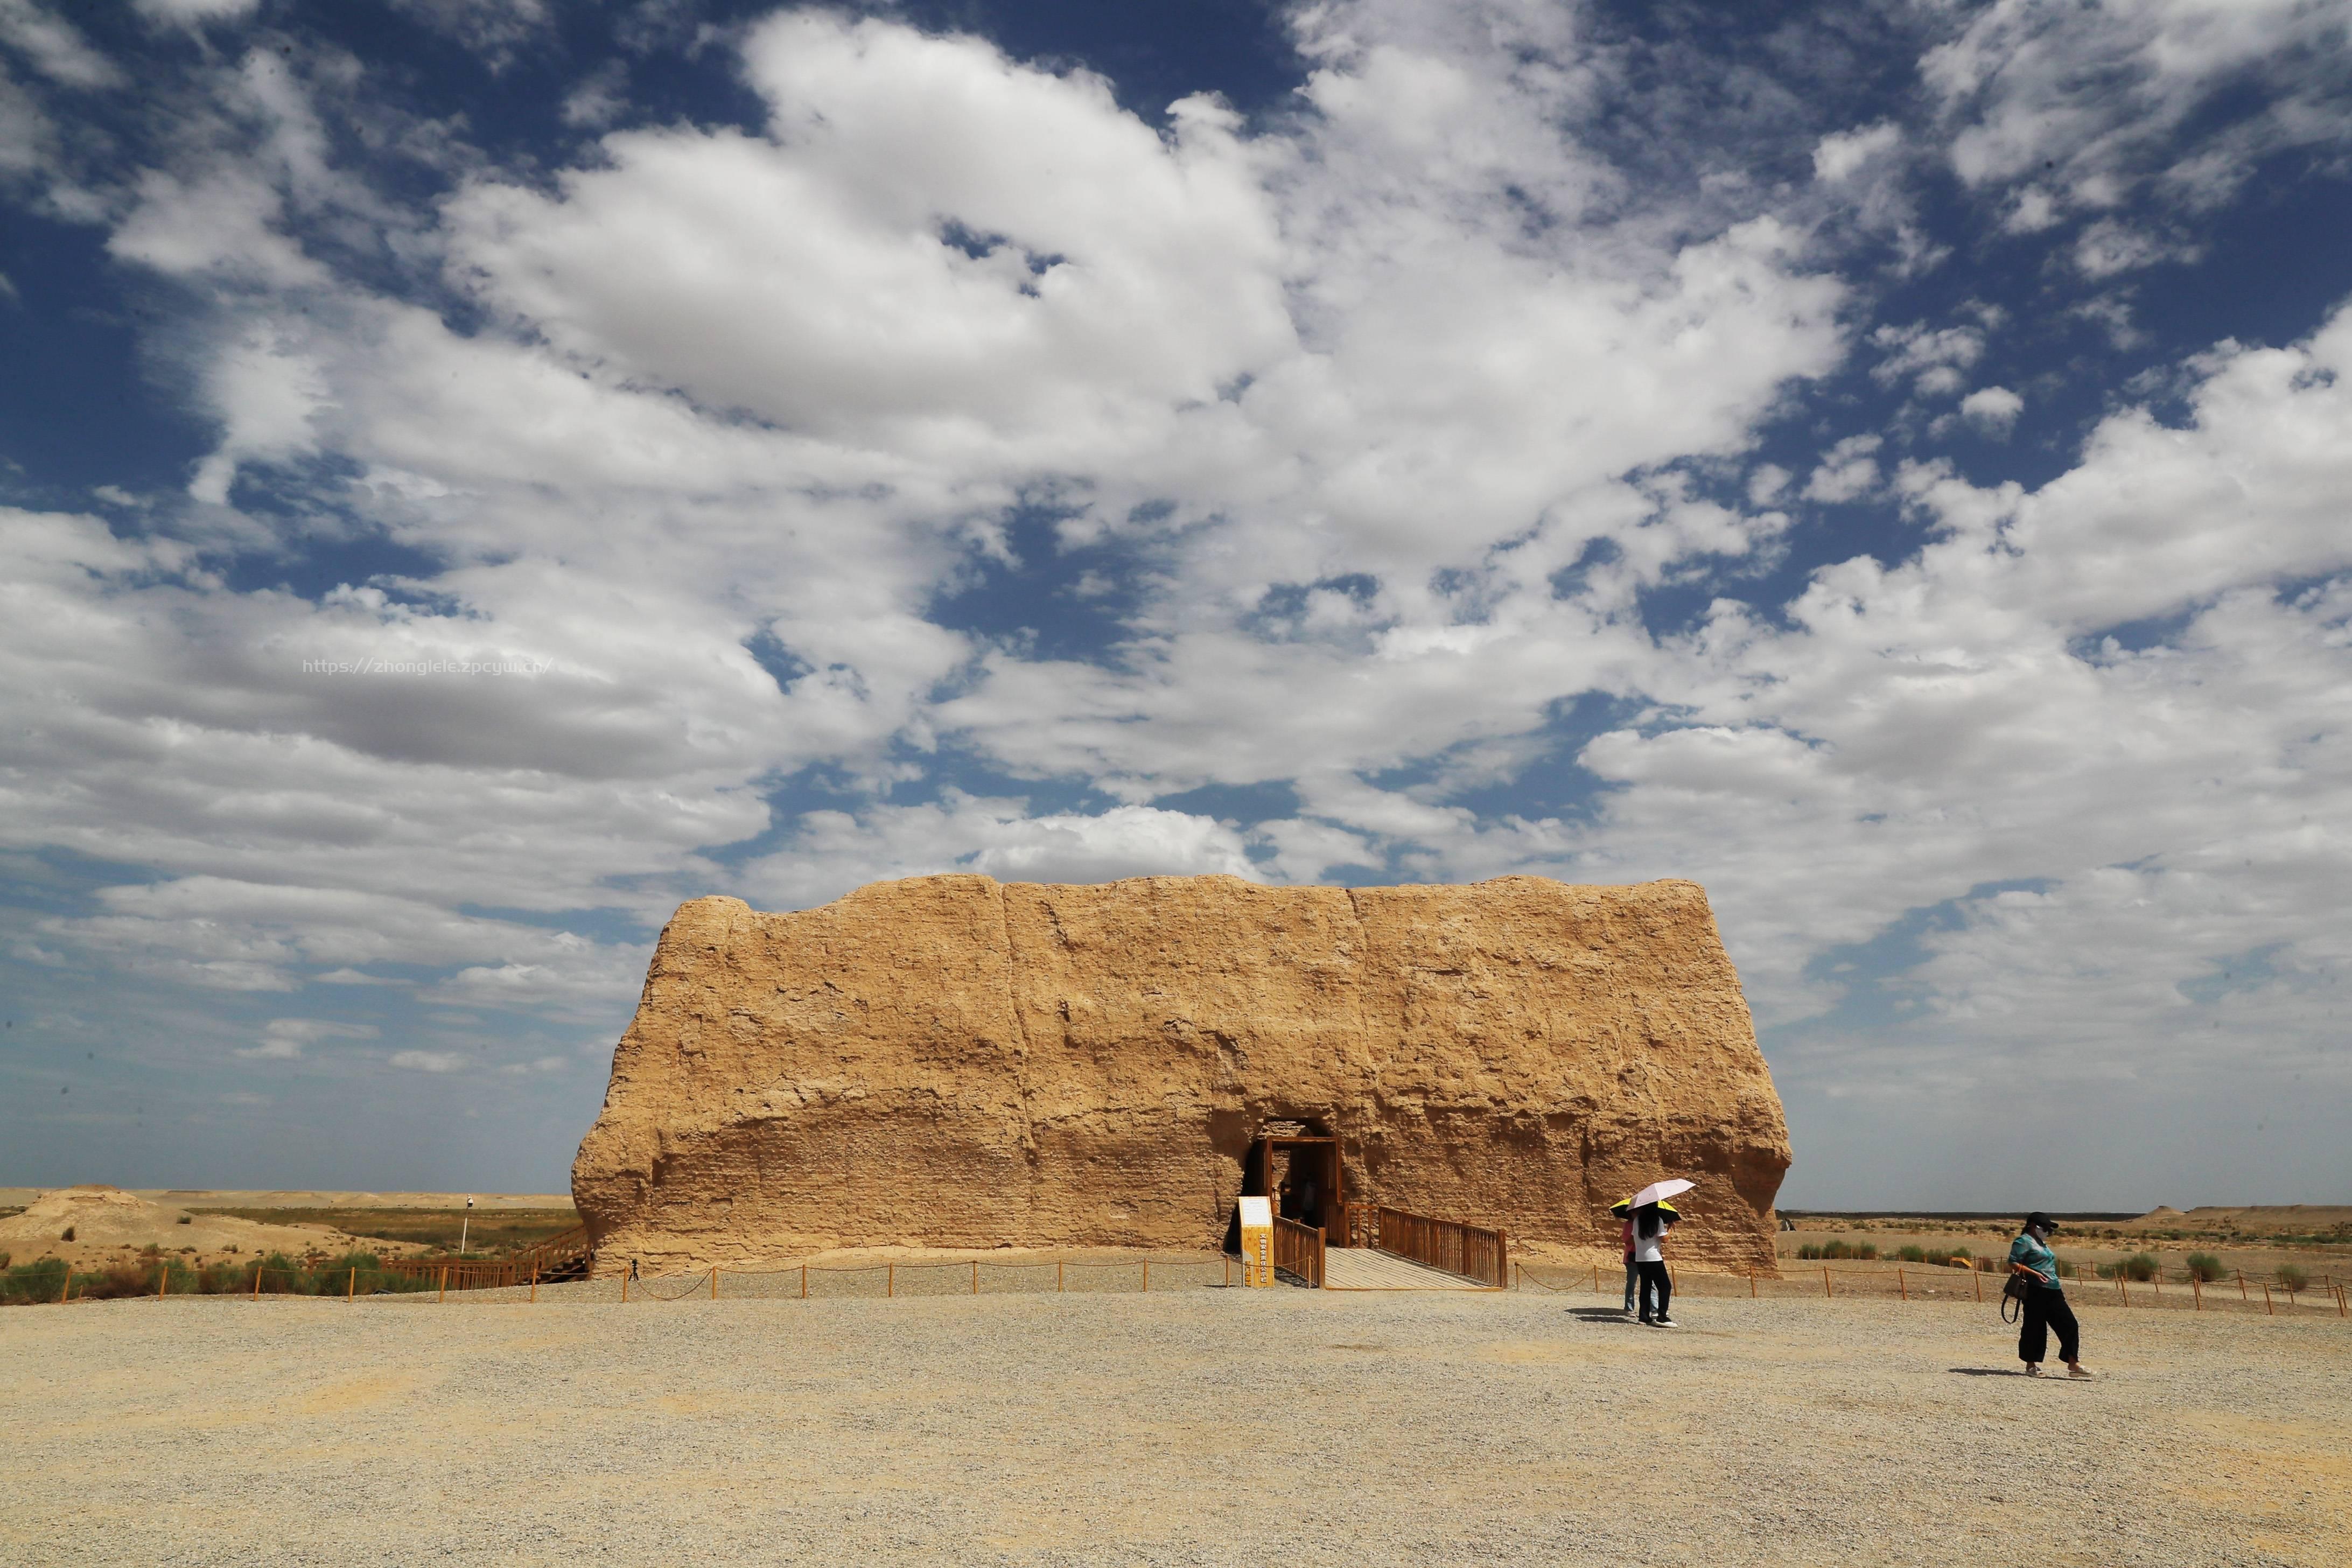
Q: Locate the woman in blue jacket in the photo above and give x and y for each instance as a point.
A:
(2045, 1303)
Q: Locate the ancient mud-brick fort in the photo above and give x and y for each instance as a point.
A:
(955, 1061)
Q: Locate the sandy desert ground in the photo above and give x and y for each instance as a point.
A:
(1203, 1425)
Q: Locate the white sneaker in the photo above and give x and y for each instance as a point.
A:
(1665, 1324)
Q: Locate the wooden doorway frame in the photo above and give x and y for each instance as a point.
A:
(1259, 1174)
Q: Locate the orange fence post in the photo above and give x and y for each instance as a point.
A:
(1825, 1284)
(1147, 1275)
(1751, 1284)
(2242, 1287)
(1976, 1278)
(890, 1280)
(975, 1276)
(66, 1294)
(534, 1279)
(714, 1281)
(1901, 1289)
(257, 1281)
(444, 1284)
(2119, 1286)
(2196, 1295)
(1596, 1279)
(2267, 1307)
(352, 1286)
(803, 1281)
(1057, 1274)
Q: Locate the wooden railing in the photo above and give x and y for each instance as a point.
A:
(1299, 1250)
(1473, 1252)
(562, 1255)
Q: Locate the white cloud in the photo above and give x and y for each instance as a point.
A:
(193, 13)
(599, 99)
(2089, 101)
(429, 1061)
(2108, 248)
(55, 47)
(1992, 409)
(833, 852)
(1935, 359)
(284, 1039)
(495, 29)
(265, 393)
(1846, 472)
(1839, 155)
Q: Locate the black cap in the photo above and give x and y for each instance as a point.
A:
(2037, 1220)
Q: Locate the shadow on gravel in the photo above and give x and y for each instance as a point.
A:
(1599, 1315)
(1991, 1372)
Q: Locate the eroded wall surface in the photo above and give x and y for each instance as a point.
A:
(955, 1061)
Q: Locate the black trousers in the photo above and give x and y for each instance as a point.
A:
(1655, 1279)
(2045, 1309)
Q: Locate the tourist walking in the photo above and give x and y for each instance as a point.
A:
(1650, 1227)
(2044, 1307)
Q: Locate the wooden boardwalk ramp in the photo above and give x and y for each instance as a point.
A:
(1368, 1269)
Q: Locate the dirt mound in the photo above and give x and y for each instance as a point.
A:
(108, 1219)
(953, 1062)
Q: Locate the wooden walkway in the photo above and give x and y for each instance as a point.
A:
(1365, 1268)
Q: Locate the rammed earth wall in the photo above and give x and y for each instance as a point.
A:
(956, 1061)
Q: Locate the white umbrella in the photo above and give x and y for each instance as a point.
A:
(1658, 1192)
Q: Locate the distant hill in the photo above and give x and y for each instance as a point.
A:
(2253, 1219)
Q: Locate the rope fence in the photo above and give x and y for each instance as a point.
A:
(2238, 1291)
(363, 1275)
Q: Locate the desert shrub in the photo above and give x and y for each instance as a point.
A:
(2139, 1267)
(1866, 1250)
(1912, 1254)
(280, 1276)
(2204, 1267)
(3, 1262)
(2292, 1278)
(31, 1282)
(114, 1281)
(69, 1234)
(1809, 1253)
(187, 1219)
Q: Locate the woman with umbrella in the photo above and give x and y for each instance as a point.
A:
(1650, 1227)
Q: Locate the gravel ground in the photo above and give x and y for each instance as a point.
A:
(1201, 1425)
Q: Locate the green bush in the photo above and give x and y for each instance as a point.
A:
(1912, 1254)
(1835, 1251)
(2292, 1278)
(2140, 1266)
(31, 1282)
(2205, 1267)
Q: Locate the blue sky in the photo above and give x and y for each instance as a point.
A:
(476, 473)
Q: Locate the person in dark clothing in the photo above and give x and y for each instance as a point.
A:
(2045, 1305)
(1650, 1228)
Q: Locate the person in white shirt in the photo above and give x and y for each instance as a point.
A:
(1650, 1228)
